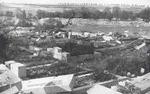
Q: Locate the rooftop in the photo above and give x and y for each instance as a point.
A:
(7, 77)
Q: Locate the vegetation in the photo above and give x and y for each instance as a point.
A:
(3, 47)
(82, 12)
(53, 70)
(75, 49)
(93, 13)
(120, 65)
(145, 14)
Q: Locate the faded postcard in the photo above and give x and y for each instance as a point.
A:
(74, 47)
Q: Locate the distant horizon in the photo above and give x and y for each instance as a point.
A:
(80, 2)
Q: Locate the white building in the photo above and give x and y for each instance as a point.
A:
(17, 68)
(58, 54)
(9, 82)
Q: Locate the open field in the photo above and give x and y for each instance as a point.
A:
(106, 26)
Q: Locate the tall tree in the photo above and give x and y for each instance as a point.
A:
(116, 11)
(124, 15)
(145, 14)
(107, 13)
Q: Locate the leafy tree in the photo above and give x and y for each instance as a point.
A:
(132, 15)
(23, 18)
(5, 41)
(124, 15)
(40, 14)
(49, 24)
(9, 14)
(95, 14)
(107, 13)
(21, 14)
(85, 12)
(3, 47)
(30, 15)
(145, 14)
(116, 11)
(68, 13)
(1, 13)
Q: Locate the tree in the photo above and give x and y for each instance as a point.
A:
(124, 15)
(68, 13)
(94, 13)
(3, 47)
(107, 13)
(85, 12)
(1, 13)
(49, 24)
(40, 14)
(145, 14)
(30, 15)
(116, 11)
(24, 16)
(4, 42)
(9, 14)
(21, 14)
(132, 15)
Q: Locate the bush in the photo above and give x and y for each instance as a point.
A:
(75, 49)
(121, 65)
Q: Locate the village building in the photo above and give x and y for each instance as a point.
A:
(9, 82)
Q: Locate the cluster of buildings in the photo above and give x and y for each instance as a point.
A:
(12, 81)
(13, 75)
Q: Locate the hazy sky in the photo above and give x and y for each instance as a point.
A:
(139, 2)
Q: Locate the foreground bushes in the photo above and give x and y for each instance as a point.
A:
(122, 65)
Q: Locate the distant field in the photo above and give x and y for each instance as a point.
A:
(103, 26)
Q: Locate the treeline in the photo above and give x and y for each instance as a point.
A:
(86, 13)
(7, 13)
(93, 13)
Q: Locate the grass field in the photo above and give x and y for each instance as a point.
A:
(102, 26)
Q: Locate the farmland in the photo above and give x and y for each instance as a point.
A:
(99, 26)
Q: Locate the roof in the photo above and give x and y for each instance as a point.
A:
(14, 63)
(9, 62)
(98, 89)
(48, 84)
(3, 68)
(7, 77)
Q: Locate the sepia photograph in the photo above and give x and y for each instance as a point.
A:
(74, 46)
